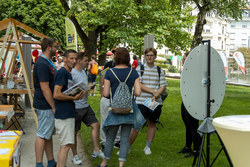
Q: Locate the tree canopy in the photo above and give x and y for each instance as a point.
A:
(222, 8)
(107, 23)
(44, 16)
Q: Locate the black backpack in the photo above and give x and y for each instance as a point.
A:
(164, 94)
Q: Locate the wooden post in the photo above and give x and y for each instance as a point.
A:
(14, 29)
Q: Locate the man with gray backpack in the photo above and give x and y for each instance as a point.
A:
(153, 85)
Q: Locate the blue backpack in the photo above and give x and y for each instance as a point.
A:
(121, 103)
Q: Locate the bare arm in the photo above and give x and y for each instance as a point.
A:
(156, 94)
(137, 87)
(101, 85)
(60, 96)
(48, 94)
(106, 89)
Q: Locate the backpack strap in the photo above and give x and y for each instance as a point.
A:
(142, 69)
(115, 75)
(159, 71)
(128, 75)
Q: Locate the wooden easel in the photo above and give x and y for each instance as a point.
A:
(13, 36)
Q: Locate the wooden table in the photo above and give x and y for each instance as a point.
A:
(9, 113)
(14, 93)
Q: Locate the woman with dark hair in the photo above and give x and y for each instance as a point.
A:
(124, 73)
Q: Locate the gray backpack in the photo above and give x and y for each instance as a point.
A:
(121, 103)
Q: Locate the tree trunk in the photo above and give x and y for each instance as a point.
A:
(90, 41)
(201, 21)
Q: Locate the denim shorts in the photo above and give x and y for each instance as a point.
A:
(139, 118)
(46, 123)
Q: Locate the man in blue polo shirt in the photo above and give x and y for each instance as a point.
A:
(43, 76)
(65, 107)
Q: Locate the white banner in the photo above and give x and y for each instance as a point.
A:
(225, 61)
(239, 58)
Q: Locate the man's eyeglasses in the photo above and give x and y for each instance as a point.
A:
(150, 55)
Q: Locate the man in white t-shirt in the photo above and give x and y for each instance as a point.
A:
(84, 113)
(153, 85)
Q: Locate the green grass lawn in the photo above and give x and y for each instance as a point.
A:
(170, 139)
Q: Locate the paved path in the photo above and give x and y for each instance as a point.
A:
(28, 145)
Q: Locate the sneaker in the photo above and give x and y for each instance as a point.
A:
(147, 150)
(93, 94)
(185, 150)
(76, 160)
(99, 154)
(117, 145)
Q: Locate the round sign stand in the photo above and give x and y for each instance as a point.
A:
(201, 98)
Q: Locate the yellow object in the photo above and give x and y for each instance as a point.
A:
(12, 144)
(235, 134)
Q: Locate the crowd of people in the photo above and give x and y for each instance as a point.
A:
(123, 87)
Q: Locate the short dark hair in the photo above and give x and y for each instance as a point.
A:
(67, 52)
(150, 50)
(81, 55)
(135, 57)
(187, 53)
(122, 56)
(46, 42)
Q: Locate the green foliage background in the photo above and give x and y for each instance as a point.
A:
(44, 16)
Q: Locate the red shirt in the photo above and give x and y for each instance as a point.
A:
(135, 64)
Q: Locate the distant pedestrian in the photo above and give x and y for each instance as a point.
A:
(135, 62)
(93, 72)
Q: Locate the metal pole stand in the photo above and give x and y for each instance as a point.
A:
(206, 128)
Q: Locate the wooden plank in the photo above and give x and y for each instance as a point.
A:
(5, 56)
(29, 29)
(14, 28)
(5, 39)
(4, 24)
(22, 41)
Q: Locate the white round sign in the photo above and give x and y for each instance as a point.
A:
(194, 82)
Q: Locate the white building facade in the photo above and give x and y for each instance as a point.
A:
(240, 32)
(216, 30)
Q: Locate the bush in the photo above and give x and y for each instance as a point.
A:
(173, 69)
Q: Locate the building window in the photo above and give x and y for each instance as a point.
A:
(244, 35)
(232, 36)
(222, 29)
(244, 26)
(232, 25)
(244, 45)
(232, 47)
(222, 45)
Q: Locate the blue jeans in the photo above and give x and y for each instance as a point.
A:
(46, 123)
(124, 140)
